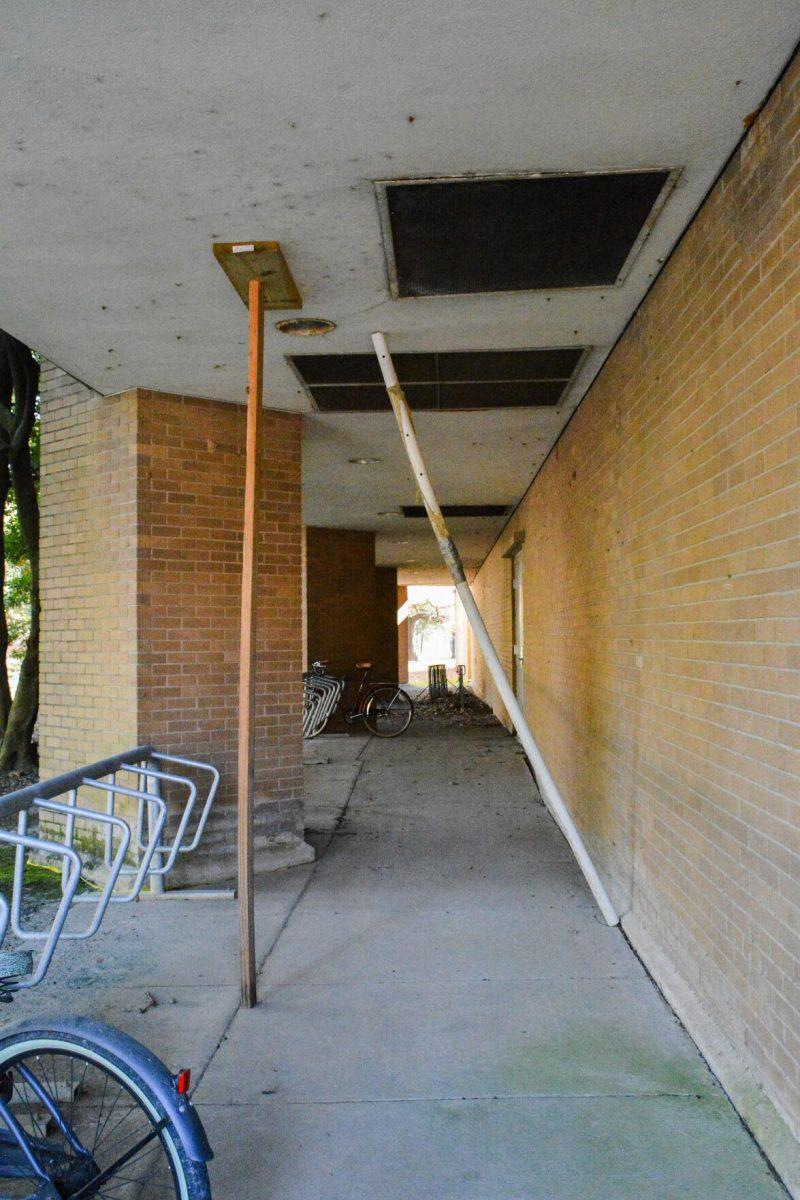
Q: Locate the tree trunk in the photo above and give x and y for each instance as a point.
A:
(5, 689)
(16, 752)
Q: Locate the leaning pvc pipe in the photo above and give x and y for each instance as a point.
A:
(452, 558)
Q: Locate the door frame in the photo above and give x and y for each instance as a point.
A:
(514, 554)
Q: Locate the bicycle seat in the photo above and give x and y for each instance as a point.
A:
(363, 666)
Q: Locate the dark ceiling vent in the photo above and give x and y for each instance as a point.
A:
(452, 381)
(458, 510)
(447, 237)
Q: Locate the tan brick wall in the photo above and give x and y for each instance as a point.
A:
(88, 572)
(492, 589)
(662, 607)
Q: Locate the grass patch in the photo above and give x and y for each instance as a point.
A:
(42, 882)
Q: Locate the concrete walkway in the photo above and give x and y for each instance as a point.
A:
(444, 1016)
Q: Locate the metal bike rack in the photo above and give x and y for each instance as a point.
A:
(147, 773)
(437, 682)
(321, 694)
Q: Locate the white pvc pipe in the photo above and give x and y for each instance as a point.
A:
(547, 785)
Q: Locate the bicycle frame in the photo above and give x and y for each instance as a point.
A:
(356, 711)
(323, 693)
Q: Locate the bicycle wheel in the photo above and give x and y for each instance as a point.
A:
(388, 710)
(92, 1124)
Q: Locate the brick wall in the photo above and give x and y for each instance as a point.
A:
(88, 573)
(141, 569)
(341, 596)
(351, 613)
(662, 609)
(402, 637)
(385, 654)
(191, 490)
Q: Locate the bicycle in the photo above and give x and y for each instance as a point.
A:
(89, 1111)
(385, 709)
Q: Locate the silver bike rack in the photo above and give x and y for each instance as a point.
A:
(321, 694)
(137, 778)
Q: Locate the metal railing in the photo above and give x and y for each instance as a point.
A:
(135, 850)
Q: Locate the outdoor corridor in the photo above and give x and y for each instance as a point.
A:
(445, 1016)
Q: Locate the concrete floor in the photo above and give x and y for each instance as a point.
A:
(443, 1014)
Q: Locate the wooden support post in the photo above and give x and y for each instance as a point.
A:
(246, 648)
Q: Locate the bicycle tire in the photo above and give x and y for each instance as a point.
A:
(189, 1178)
(371, 716)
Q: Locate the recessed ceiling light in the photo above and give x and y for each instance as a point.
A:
(388, 512)
(305, 326)
(363, 462)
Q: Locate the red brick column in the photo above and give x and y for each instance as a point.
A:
(191, 481)
(141, 564)
(402, 638)
(341, 596)
(385, 657)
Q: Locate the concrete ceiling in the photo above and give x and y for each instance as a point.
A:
(135, 135)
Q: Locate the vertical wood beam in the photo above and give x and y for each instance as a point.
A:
(246, 648)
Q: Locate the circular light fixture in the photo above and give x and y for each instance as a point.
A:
(363, 462)
(305, 326)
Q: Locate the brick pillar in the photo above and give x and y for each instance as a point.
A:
(88, 651)
(191, 489)
(385, 657)
(341, 596)
(402, 638)
(141, 566)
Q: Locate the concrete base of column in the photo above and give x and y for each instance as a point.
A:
(278, 843)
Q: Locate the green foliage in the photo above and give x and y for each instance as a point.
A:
(427, 615)
(42, 881)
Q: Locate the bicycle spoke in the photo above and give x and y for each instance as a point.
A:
(125, 1158)
(128, 1156)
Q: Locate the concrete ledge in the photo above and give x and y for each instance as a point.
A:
(283, 850)
(278, 843)
(767, 1124)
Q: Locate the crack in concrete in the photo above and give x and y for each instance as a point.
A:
(360, 760)
(461, 1099)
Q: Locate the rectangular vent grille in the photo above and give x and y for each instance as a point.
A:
(446, 237)
(447, 382)
(459, 510)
